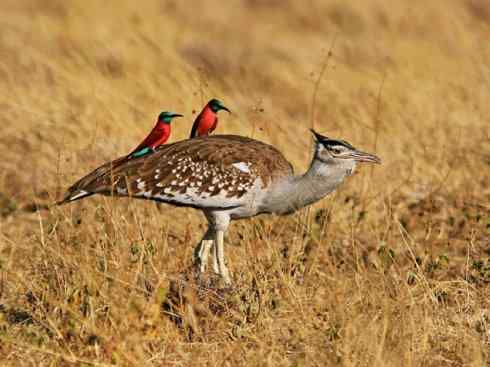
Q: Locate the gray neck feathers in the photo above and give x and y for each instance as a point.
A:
(296, 192)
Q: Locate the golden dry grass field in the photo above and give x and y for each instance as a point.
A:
(391, 270)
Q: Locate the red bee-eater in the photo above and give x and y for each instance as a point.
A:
(207, 120)
(158, 136)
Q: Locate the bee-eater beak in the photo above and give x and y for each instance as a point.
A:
(177, 115)
(225, 108)
(361, 156)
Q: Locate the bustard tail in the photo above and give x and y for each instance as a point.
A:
(78, 190)
(73, 195)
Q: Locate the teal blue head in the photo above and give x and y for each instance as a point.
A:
(167, 117)
(216, 105)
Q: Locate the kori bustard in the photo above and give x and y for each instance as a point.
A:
(228, 177)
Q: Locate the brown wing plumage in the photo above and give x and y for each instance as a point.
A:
(76, 191)
(210, 171)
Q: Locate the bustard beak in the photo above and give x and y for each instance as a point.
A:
(361, 156)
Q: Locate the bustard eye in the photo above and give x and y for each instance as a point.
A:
(335, 150)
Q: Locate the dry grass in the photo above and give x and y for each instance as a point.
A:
(392, 270)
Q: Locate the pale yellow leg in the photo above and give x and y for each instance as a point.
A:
(201, 252)
(222, 269)
(214, 258)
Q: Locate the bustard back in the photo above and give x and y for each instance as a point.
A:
(229, 177)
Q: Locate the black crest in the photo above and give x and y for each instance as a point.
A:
(329, 143)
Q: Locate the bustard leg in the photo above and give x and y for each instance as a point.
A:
(203, 254)
(220, 255)
(214, 258)
(218, 224)
(201, 251)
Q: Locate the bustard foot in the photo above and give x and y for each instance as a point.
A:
(216, 247)
(218, 264)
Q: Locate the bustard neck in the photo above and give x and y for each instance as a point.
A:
(318, 181)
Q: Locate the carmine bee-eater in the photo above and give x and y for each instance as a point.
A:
(158, 136)
(206, 122)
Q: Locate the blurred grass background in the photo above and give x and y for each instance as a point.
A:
(393, 269)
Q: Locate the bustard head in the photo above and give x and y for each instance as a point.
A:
(340, 153)
(216, 105)
(167, 117)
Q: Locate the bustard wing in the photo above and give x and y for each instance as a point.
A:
(206, 172)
